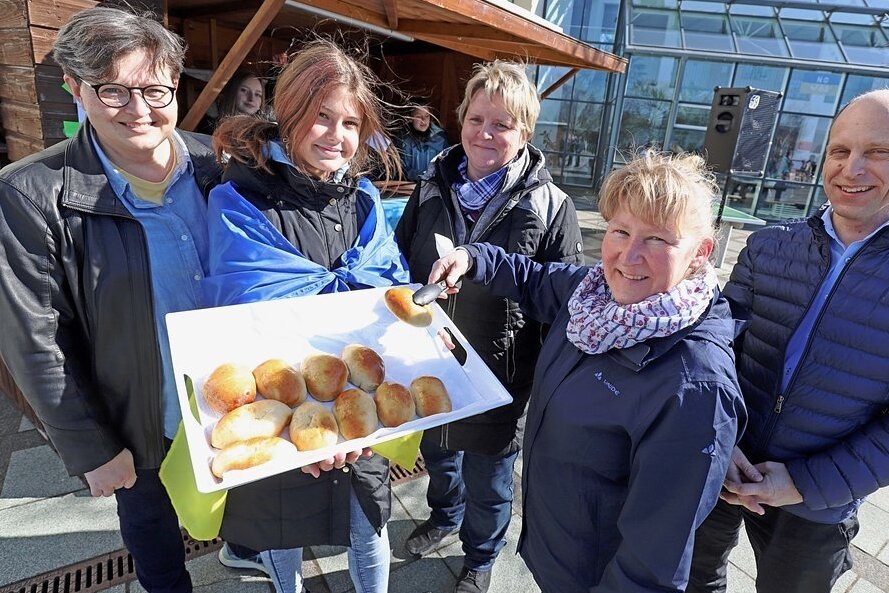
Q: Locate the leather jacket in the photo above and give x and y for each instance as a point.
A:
(77, 305)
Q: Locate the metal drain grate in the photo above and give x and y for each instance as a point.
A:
(116, 568)
(399, 475)
(100, 573)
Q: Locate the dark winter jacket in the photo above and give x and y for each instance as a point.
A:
(530, 216)
(77, 307)
(831, 425)
(417, 149)
(294, 509)
(625, 452)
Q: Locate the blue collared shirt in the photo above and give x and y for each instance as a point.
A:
(176, 235)
(840, 256)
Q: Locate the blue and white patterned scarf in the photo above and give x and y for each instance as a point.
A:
(598, 323)
(474, 195)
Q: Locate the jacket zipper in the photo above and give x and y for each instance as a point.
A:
(766, 436)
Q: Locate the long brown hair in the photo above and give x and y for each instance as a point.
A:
(312, 73)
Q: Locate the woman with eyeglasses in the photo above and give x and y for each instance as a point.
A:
(101, 236)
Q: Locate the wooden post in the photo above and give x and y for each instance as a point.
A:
(230, 63)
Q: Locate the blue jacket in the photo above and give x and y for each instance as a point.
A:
(626, 451)
(831, 428)
(417, 150)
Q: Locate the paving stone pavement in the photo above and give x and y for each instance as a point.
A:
(48, 520)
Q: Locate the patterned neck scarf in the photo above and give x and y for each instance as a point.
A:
(474, 195)
(598, 323)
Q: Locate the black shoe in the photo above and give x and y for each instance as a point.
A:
(426, 538)
(473, 581)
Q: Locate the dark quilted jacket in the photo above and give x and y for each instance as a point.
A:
(831, 425)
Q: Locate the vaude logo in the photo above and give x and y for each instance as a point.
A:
(754, 102)
(607, 383)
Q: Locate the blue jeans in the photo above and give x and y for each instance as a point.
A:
(368, 557)
(472, 492)
(150, 531)
(793, 555)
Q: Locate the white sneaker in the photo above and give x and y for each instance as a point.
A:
(228, 558)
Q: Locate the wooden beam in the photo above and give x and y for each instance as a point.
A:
(391, 13)
(421, 27)
(233, 59)
(215, 9)
(42, 41)
(555, 86)
(13, 14)
(17, 83)
(21, 118)
(514, 50)
(464, 48)
(15, 48)
(52, 14)
(19, 146)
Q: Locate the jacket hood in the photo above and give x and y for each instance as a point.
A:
(527, 171)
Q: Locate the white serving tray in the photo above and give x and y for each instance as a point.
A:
(294, 328)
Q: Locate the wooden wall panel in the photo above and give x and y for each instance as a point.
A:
(15, 47)
(200, 53)
(52, 14)
(21, 146)
(22, 119)
(17, 84)
(43, 40)
(13, 14)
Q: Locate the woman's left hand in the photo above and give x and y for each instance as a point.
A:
(338, 461)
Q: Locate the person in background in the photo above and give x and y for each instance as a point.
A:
(813, 367)
(294, 217)
(635, 407)
(101, 236)
(493, 186)
(420, 140)
(243, 95)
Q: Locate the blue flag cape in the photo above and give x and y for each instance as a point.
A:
(250, 260)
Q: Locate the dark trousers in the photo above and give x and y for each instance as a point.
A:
(793, 555)
(473, 492)
(150, 531)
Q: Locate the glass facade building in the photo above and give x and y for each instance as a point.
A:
(818, 54)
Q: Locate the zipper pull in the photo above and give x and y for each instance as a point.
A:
(779, 404)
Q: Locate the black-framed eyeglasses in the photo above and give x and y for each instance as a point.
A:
(118, 95)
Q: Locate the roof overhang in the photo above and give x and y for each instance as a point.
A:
(484, 29)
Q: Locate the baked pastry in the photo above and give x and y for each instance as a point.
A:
(312, 427)
(263, 418)
(399, 300)
(228, 387)
(355, 413)
(395, 405)
(366, 368)
(430, 396)
(325, 376)
(250, 453)
(276, 379)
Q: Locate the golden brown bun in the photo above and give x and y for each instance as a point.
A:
(275, 379)
(430, 396)
(366, 368)
(312, 427)
(228, 387)
(355, 413)
(395, 406)
(264, 418)
(325, 376)
(399, 300)
(250, 453)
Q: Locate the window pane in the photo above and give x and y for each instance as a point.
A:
(812, 41)
(856, 85)
(650, 76)
(767, 78)
(600, 22)
(780, 200)
(698, 6)
(863, 45)
(547, 75)
(658, 3)
(706, 31)
(751, 10)
(692, 115)
(587, 125)
(797, 147)
(817, 200)
(654, 27)
(589, 85)
(643, 124)
(685, 140)
(851, 18)
(551, 131)
(812, 92)
(699, 78)
(759, 36)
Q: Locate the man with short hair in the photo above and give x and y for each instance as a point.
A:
(814, 369)
(100, 237)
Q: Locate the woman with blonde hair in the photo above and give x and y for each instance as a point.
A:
(635, 407)
(294, 217)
